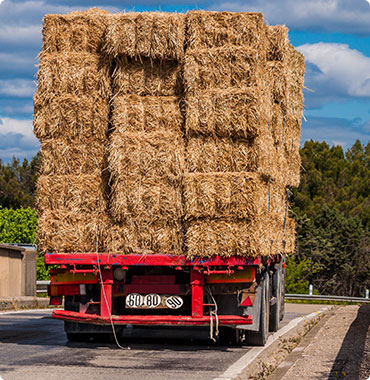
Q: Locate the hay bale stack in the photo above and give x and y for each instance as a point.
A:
(71, 120)
(167, 133)
(285, 77)
(234, 190)
(146, 148)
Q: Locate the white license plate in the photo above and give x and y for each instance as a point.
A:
(153, 301)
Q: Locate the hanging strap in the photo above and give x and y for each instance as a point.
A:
(269, 200)
(286, 209)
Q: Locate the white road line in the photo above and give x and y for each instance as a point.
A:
(236, 368)
(23, 311)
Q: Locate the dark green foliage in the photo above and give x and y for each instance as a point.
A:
(18, 226)
(18, 182)
(332, 209)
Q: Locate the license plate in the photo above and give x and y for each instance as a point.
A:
(153, 301)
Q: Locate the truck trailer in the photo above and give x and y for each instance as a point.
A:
(238, 298)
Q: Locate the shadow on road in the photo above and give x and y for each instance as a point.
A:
(348, 361)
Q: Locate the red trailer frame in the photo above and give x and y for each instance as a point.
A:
(101, 264)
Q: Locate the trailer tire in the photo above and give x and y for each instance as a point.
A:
(282, 301)
(259, 338)
(78, 337)
(277, 294)
(229, 336)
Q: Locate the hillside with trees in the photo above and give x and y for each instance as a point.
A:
(331, 207)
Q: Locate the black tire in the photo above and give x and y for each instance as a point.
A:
(282, 301)
(259, 338)
(78, 337)
(229, 336)
(277, 296)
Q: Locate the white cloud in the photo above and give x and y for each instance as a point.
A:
(26, 36)
(335, 131)
(19, 127)
(18, 109)
(326, 15)
(17, 87)
(335, 71)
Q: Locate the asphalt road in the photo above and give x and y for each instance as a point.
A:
(34, 346)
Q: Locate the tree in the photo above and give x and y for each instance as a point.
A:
(18, 182)
(332, 209)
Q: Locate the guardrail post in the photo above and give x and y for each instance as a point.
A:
(310, 290)
(367, 293)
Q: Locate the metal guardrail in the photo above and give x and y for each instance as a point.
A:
(42, 287)
(315, 297)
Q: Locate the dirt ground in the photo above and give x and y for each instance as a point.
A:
(340, 349)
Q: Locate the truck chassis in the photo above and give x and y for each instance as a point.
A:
(231, 295)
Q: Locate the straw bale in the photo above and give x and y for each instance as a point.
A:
(77, 194)
(288, 236)
(155, 35)
(241, 113)
(147, 77)
(277, 124)
(74, 73)
(145, 198)
(146, 238)
(277, 42)
(289, 164)
(150, 155)
(292, 133)
(132, 113)
(231, 195)
(72, 117)
(217, 29)
(208, 154)
(278, 81)
(222, 68)
(228, 237)
(295, 84)
(59, 157)
(74, 32)
(69, 232)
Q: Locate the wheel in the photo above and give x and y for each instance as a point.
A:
(78, 337)
(259, 338)
(282, 301)
(229, 336)
(277, 296)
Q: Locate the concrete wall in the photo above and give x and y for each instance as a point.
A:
(10, 270)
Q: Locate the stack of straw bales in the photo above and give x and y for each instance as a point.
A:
(167, 133)
(71, 119)
(146, 148)
(237, 73)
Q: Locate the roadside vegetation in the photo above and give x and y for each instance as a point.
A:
(331, 208)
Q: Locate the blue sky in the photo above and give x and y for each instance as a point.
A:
(334, 36)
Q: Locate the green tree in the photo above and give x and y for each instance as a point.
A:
(18, 182)
(18, 226)
(332, 209)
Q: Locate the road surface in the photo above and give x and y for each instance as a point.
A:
(34, 346)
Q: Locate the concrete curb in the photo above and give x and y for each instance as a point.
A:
(18, 303)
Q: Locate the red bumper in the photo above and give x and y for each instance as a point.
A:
(163, 320)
